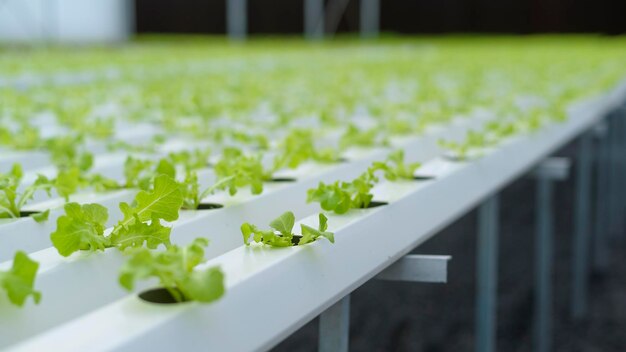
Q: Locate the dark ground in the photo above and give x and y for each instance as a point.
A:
(390, 316)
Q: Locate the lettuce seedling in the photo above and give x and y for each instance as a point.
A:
(473, 141)
(298, 147)
(192, 195)
(175, 269)
(236, 170)
(354, 137)
(341, 196)
(82, 227)
(65, 153)
(190, 160)
(12, 201)
(281, 232)
(395, 168)
(18, 282)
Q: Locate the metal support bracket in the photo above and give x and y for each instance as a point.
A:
(334, 332)
(418, 268)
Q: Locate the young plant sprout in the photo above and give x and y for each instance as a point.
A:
(341, 196)
(18, 282)
(281, 233)
(236, 170)
(82, 227)
(395, 168)
(12, 200)
(175, 268)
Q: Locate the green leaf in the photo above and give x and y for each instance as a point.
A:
(81, 228)
(163, 202)
(18, 282)
(140, 233)
(67, 182)
(166, 168)
(41, 217)
(284, 223)
(341, 197)
(204, 285)
(175, 269)
(310, 234)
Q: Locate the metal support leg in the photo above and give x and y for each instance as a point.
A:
(580, 260)
(237, 19)
(621, 164)
(314, 19)
(487, 275)
(613, 177)
(335, 327)
(370, 18)
(543, 267)
(601, 218)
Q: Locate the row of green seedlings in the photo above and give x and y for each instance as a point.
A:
(141, 231)
(495, 131)
(234, 170)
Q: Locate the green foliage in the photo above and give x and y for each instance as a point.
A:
(236, 170)
(65, 153)
(11, 200)
(395, 168)
(281, 233)
(18, 282)
(339, 197)
(175, 270)
(298, 147)
(190, 160)
(190, 189)
(354, 137)
(82, 227)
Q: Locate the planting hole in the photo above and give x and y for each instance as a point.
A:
(209, 206)
(27, 213)
(423, 177)
(375, 204)
(296, 239)
(283, 179)
(159, 296)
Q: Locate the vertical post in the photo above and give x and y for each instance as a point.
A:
(543, 266)
(335, 327)
(581, 229)
(621, 164)
(370, 18)
(314, 19)
(237, 19)
(50, 26)
(601, 218)
(487, 275)
(613, 182)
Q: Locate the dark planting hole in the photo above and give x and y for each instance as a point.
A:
(423, 177)
(209, 206)
(283, 179)
(296, 239)
(343, 160)
(375, 204)
(27, 213)
(159, 296)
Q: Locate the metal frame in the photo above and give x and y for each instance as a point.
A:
(550, 170)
